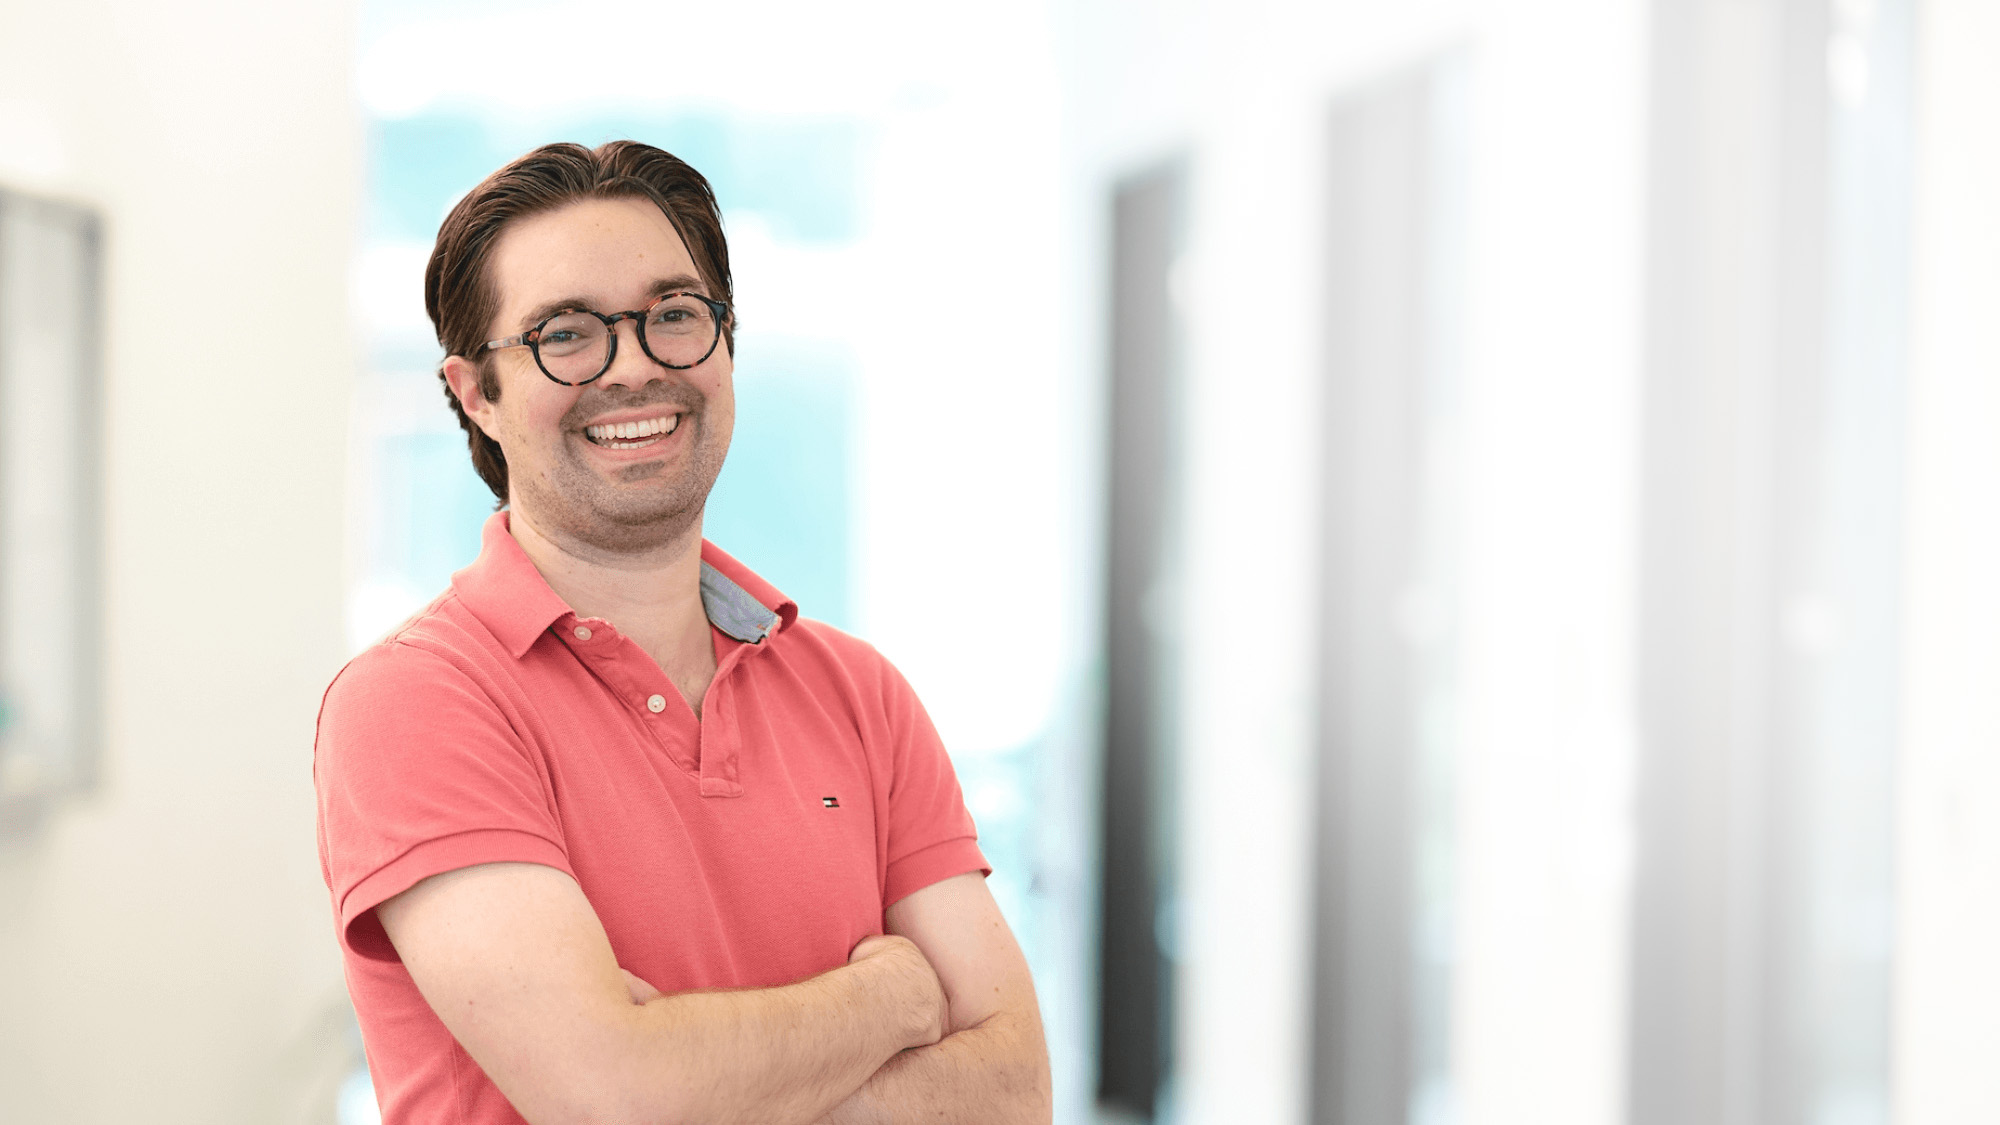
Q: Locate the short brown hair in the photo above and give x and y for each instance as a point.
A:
(459, 295)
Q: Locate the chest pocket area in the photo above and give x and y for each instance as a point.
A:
(836, 860)
(798, 880)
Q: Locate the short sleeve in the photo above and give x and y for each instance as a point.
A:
(418, 772)
(931, 835)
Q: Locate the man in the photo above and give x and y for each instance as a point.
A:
(614, 835)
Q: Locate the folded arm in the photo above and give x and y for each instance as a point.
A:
(514, 961)
(993, 1066)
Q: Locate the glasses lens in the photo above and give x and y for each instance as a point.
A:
(680, 330)
(573, 346)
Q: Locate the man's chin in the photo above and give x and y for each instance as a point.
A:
(638, 473)
(619, 520)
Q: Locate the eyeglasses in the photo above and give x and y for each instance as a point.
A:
(575, 346)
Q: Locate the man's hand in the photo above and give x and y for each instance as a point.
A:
(923, 980)
(900, 955)
(991, 1065)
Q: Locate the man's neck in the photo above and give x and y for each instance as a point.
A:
(653, 597)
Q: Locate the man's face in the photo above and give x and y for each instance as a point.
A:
(566, 475)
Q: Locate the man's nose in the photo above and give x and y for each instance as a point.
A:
(631, 366)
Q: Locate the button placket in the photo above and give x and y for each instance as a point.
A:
(629, 674)
(719, 737)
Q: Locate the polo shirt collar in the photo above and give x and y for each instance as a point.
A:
(509, 596)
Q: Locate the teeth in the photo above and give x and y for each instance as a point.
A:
(633, 431)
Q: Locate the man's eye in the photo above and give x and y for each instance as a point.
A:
(672, 315)
(559, 336)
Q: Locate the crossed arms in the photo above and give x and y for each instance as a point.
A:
(935, 1021)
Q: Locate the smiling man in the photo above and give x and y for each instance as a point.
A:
(613, 834)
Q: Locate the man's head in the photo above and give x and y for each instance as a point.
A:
(608, 230)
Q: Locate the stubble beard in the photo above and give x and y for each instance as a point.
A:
(573, 503)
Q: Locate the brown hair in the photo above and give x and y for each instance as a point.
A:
(459, 295)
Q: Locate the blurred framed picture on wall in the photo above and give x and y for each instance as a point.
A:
(50, 274)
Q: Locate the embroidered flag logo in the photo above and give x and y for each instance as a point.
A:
(830, 802)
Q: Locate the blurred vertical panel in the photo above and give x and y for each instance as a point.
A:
(49, 504)
(1843, 626)
(1709, 535)
(1382, 918)
(1135, 1001)
(1769, 587)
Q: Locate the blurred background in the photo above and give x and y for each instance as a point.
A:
(1453, 543)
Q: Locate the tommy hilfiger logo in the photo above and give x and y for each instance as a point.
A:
(830, 802)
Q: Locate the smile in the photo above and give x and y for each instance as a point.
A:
(632, 435)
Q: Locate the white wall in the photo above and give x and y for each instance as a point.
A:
(1551, 499)
(1947, 1003)
(165, 946)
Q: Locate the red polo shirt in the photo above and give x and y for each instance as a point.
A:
(751, 847)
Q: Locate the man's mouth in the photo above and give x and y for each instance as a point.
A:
(632, 435)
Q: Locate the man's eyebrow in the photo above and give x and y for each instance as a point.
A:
(679, 283)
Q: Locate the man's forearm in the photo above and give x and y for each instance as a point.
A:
(515, 964)
(776, 1055)
(995, 1072)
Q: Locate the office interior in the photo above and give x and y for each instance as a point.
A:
(1452, 543)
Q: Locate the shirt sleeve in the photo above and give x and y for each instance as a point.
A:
(931, 835)
(418, 772)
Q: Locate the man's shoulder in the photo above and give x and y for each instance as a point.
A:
(441, 642)
(832, 648)
(431, 686)
(832, 657)
(837, 642)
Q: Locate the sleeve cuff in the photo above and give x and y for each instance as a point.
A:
(362, 932)
(933, 864)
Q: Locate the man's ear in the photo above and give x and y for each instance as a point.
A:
(462, 376)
